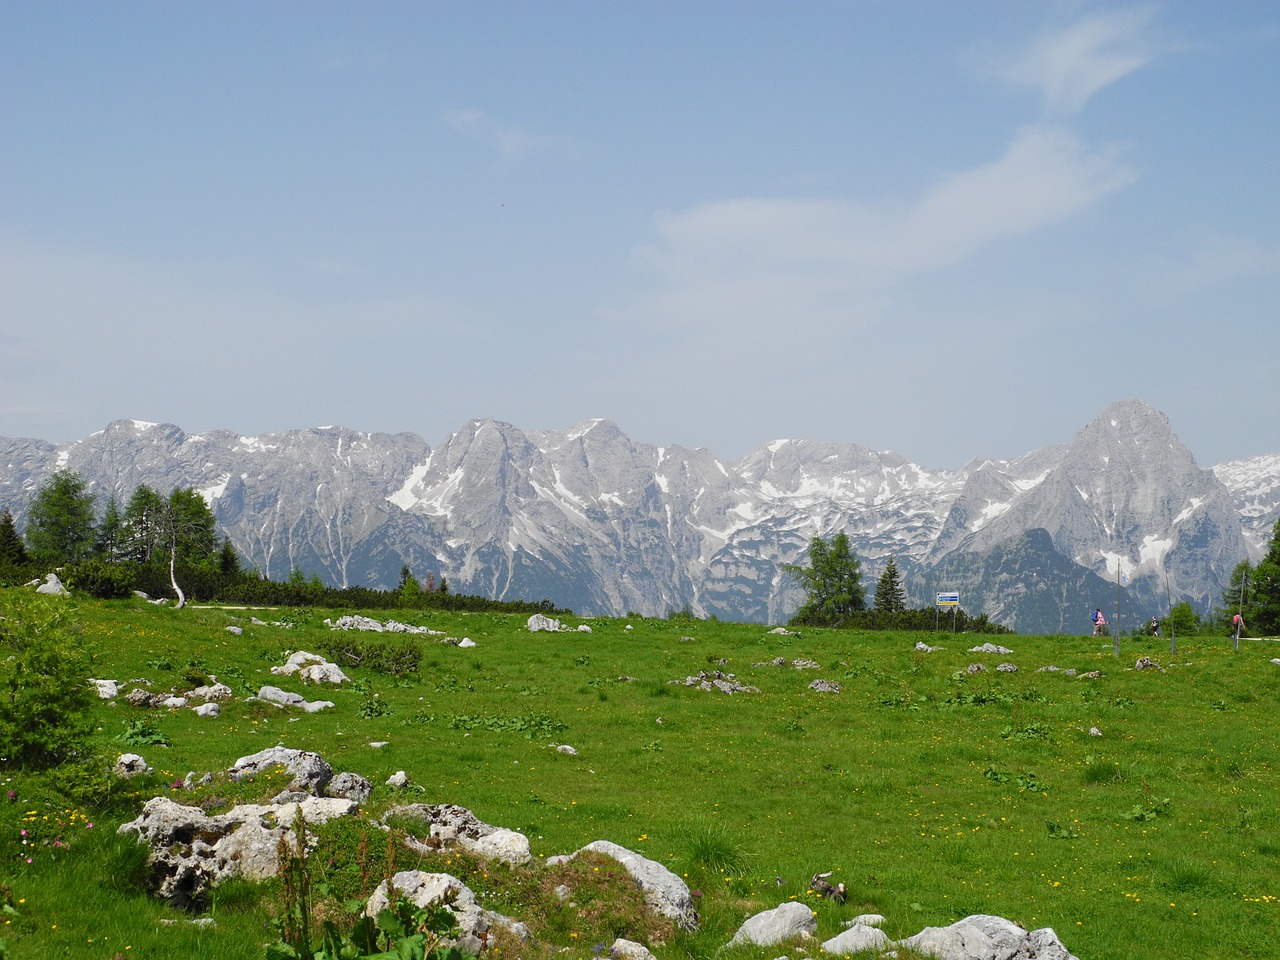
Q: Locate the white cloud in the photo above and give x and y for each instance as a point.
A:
(1068, 67)
(756, 261)
(512, 142)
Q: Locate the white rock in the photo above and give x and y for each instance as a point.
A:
(858, 938)
(665, 892)
(207, 710)
(399, 780)
(174, 703)
(567, 750)
(107, 689)
(235, 631)
(539, 622)
(130, 765)
(784, 922)
(979, 937)
(53, 587)
(583, 628)
(310, 771)
(629, 950)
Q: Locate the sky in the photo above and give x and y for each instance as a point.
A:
(944, 229)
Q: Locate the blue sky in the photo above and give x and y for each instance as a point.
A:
(946, 229)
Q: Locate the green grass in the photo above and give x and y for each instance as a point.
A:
(930, 793)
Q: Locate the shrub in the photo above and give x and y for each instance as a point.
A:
(107, 581)
(44, 682)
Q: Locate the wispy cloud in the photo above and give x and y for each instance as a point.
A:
(513, 142)
(756, 261)
(1070, 65)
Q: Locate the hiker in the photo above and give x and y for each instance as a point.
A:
(1099, 621)
(1155, 627)
(1237, 627)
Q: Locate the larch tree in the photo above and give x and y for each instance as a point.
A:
(832, 581)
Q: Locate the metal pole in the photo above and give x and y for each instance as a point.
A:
(1173, 640)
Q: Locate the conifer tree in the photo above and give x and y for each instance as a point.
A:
(833, 582)
(1266, 590)
(60, 527)
(110, 542)
(889, 594)
(12, 550)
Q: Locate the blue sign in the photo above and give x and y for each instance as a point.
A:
(948, 600)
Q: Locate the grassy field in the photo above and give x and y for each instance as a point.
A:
(932, 793)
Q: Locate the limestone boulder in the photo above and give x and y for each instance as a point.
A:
(983, 937)
(664, 892)
(448, 825)
(425, 889)
(783, 923)
(311, 773)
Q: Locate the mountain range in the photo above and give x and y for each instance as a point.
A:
(592, 520)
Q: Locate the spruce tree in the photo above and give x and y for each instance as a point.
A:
(12, 551)
(60, 527)
(889, 594)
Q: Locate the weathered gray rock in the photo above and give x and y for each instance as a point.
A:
(323, 673)
(107, 689)
(352, 786)
(53, 587)
(235, 631)
(1007, 668)
(825, 686)
(191, 851)
(424, 889)
(538, 622)
(990, 648)
(174, 703)
(567, 750)
(399, 780)
(296, 662)
(449, 825)
(145, 699)
(858, 938)
(663, 891)
(715, 680)
(783, 923)
(130, 765)
(207, 710)
(629, 950)
(983, 937)
(213, 692)
(287, 699)
(310, 771)
(284, 697)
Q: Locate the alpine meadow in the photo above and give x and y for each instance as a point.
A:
(1125, 801)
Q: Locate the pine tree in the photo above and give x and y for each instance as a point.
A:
(889, 595)
(60, 527)
(12, 551)
(832, 581)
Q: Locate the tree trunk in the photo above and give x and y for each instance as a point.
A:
(173, 576)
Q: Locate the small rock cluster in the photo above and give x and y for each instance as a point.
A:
(715, 680)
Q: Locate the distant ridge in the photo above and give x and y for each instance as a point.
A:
(592, 520)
